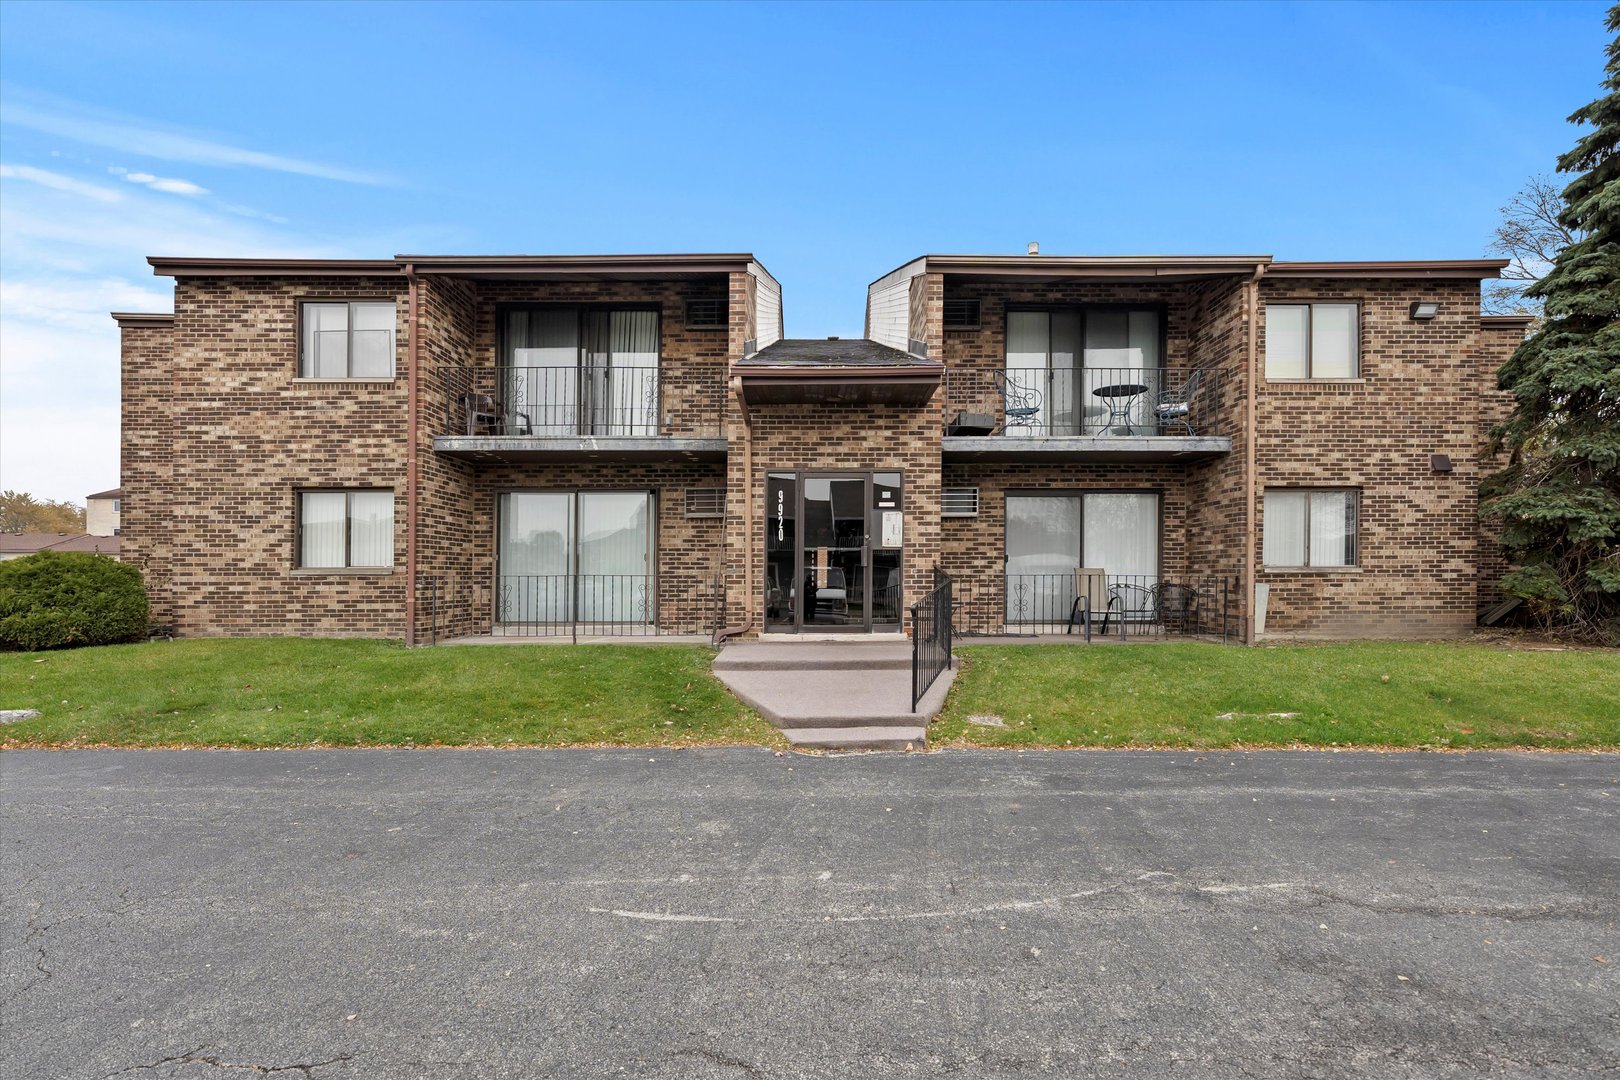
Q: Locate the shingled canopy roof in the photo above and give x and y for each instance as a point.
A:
(842, 371)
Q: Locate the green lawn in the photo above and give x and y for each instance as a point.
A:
(1365, 694)
(295, 692)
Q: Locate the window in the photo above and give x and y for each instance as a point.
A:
(1059, 358)
(1312, 341)
(1310, 528)
(1049, 537)
(347, 340)
(575, 556)
(338, 529)
(118, 506)
(580, 370)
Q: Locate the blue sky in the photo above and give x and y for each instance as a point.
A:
(835, 141)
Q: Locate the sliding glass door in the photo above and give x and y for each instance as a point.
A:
(1122, 359)
(1082, 371)
(1049, 537)
(579, 371)
(568, 557)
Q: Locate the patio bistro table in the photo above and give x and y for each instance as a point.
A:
(1120, 398)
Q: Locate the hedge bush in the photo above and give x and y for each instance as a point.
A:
(59, 598)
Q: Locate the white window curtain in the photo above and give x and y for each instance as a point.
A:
(1333, 341)
(1029, 346)
(321, 527)
(1122, 539)
(536, 540)
(1284, 528)
(371, 528)
(1121, 349)
(615, 534)
(1333, 531)
(1043, 552)
(372, 341)
(540, 376)
(1286, 337)
(326, 341)
(623, 351)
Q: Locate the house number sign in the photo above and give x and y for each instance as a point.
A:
(781, 514)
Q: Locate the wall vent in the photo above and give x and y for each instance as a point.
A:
(961, 314)
(706, 502)
(709, 314)
(959, 502)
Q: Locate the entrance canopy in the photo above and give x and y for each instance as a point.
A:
(836, 371)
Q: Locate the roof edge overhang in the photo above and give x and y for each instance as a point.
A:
(128, 320)
(1465, 269)
(900, 384)
(851, 372)
(465, 265)
(1507, 322)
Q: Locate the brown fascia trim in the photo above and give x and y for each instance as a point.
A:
(1506, 322)
(133, 320)
(167, 266)
(1144, 266)
(1466, 269)
(585, 264)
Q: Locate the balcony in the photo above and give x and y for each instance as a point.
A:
(1091, 413)
(574, 412)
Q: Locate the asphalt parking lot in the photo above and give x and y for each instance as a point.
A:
(733, 913)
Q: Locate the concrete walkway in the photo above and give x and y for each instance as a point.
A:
(852, 695)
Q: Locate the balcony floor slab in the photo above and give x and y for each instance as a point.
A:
(1085, 447)
(517, 448)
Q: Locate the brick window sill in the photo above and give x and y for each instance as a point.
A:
(342, 571)
(305, 381)
(1281, 570)
(1307, 385)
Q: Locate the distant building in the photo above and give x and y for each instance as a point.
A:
(102, 512)
(16, 545)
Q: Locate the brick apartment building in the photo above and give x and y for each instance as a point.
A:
(427, 447)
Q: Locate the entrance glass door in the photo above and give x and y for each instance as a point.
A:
(832, 560)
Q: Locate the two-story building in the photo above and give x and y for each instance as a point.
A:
(429, 447)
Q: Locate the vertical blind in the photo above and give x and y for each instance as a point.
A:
(569, 370)
(346, 528)
(575, 555)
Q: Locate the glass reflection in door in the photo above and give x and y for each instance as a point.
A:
(834, 570)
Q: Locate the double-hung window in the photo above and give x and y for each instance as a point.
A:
(1312, 341)
(347, 340)
(1310, 528)
(341, 529)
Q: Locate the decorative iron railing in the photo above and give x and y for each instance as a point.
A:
(563, 606)
(1122, 606)
(567, 401)
(1090, 401)
(930, 636)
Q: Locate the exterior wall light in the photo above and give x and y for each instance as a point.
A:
(1424, 310)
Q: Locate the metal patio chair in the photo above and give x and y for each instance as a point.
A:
(1174, 406)
(1020, 404)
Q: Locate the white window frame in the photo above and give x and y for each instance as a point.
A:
(1305, 493)
(348, 528)
(1310, 307)
(306, 357)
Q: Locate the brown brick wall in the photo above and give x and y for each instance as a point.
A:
(1417, 395)
(1496, 345)
(147, 456)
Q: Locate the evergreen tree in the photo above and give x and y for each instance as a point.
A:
(1558, 501)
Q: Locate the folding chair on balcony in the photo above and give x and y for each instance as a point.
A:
(1175, 406)
(1177, 606)
(486, 416)
(1020, 404)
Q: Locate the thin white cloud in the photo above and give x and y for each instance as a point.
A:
(136, 136)
(58, 182)
(160, 183)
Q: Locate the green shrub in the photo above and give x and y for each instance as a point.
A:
(59, 598)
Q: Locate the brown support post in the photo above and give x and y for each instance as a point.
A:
(410, 458)
(1249, 453)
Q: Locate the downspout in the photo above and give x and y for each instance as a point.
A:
(747, 517)
(1249, 454)
(410, 458)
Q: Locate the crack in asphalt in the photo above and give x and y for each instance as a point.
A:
(752, 1071)
(196, 1057)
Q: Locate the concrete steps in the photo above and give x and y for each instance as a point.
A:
(849, 695)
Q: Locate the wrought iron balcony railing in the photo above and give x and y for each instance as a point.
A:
(582, 400)
(1087, 401)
